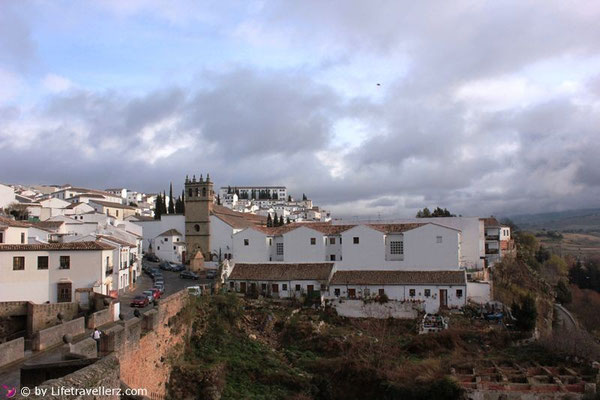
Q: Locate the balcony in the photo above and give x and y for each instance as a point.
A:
(109, 272)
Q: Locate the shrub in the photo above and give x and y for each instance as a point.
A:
(525, 313)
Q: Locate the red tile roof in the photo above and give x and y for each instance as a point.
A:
(380, 277)
(112, 204)
(281, 272)
(13, 223)
(74, 246)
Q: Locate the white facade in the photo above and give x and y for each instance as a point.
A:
(275, 288)
(7, 196)
(13, 234)
(87, 269)
(153, 228)
(169, 246)
(252, 245)
(304, 245)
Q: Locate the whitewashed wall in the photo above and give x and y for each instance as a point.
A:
(298, 248)
(257, 249)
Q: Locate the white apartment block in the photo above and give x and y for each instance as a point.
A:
(52, 272)
(415, 246)
(255, 192)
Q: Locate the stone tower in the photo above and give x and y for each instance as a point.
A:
(199, 196)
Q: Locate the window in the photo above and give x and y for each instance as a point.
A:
(298, 288)
(381, 292)
(197, 228)
(178, 239)
(270, 242)
(157, 247)
(42, 262)
(438, 239)
(331, 240)
(396, 247)
(279, 249)
(190, 192)
(275, 288)
(166, 239)
(65, 262)
(411, 292)
(459, 293)
(284, 286)
(263, 287)
(18, 263)
(203, 192)
(323, 286)
(332, 257)
(1, 237)
(340, 240)
(356, 239)
(174, 248)
(427, 292)
(246, 242)
(117, 213)
(22, 237)
(336, 292)
(231, 284)
(313, 241)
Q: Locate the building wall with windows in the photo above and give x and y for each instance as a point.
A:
(428, 294)
(38, 273)
(276, 289)
(304, 245)
(251, 245)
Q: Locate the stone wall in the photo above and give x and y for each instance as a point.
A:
(13, 308)
(147, 367)
(54, 335)
(42, 316)
(12, 351)
(102, 374)
(100, 318)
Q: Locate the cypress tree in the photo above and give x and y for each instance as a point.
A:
(157, 208)
(276, 220)
(171, 201)
(281, 220)
(269, 220)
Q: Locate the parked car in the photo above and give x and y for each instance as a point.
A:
(149, 294)
(178, 268)
(151, 257)
(157, 275)
(160, 287)
(189, 275)
(211, 273)
(140, 301)
(165, 266)
(156, 293)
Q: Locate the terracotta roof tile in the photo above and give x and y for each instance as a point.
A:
(171, 232)
(281, 271)
(380, 277)
(56, 246)
(112, 204)
(13, 223)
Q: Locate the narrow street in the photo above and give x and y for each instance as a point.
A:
(173, 284)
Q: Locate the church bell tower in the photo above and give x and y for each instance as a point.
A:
(199, 197)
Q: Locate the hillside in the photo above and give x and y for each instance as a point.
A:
(264, 349)
(584, 220)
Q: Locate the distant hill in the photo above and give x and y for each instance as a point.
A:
(586, 220)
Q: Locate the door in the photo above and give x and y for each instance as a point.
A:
(275, 288)
(443, 298)
(64, 292)
(243, 287)
(351, 293)
(310, 288)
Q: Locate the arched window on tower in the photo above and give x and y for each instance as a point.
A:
(203, 192)
(197, 192)
(190, 192)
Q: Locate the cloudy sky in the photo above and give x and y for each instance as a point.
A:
(370, 107)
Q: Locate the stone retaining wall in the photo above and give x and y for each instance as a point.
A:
(12, 351)
(54, 335)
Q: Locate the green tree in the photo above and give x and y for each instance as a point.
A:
(158, 207)
(563, 293)
(275, 220)
(171, 200)
(269, 220)
(525, 313)
(304, 198)
(288, 220)
(281, 220)
(218, 199)
(289, 198)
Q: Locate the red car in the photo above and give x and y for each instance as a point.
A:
(155, 293)
(139, 301)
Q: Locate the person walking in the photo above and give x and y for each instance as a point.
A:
(96, 335)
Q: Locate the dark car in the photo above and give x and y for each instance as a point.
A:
(189, 275)
(151, 257)
(165, 266)
(178, 267)
(211, 273)
(139, 301)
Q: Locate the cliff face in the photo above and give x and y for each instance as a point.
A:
(513, 280)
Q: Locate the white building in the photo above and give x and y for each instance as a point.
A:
(281, 280)
(52, 272)
(255, 192)
(369, 246)
(170, 246)
(13, 232)
(7, 196)
(433, 289)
